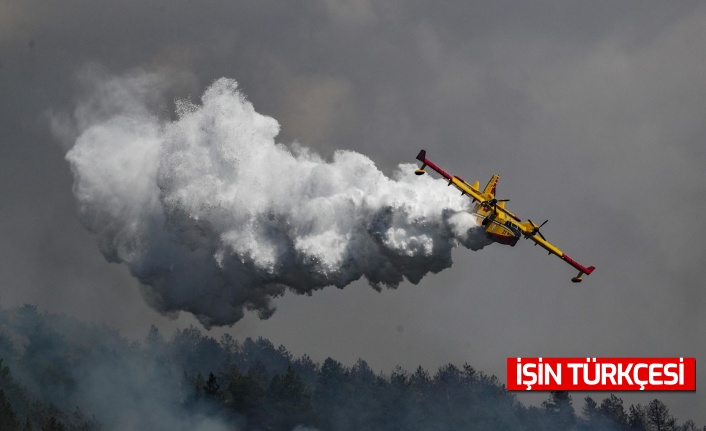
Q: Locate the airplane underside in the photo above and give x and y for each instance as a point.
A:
(503, 239)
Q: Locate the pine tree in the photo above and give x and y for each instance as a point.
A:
(658, 416)
(247, 391)
(637, 419)
(54, 425)
(612, 409)
(212, 389)
(290, 401)
(590, 408)
(8, 419)
(559, 407)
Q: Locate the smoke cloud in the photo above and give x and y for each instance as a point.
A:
(214, 217)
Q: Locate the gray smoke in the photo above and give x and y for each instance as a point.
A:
(213, 216)
(63, 363)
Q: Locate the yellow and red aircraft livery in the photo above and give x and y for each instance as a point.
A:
(500, 224)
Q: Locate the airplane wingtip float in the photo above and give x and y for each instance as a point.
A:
(500, 224)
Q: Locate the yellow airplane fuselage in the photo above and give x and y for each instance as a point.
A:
(498, 226)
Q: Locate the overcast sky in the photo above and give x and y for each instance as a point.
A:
(591, 112)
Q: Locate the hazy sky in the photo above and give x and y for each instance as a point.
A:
(592, 113)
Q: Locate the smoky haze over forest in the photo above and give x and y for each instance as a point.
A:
(58, 373)
(592, 113)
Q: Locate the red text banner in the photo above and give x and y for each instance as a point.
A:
(601, 374)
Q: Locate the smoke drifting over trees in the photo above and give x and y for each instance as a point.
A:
(214, 217)
(592, 112)
(60, 374)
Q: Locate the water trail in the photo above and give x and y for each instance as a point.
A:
(214, 217)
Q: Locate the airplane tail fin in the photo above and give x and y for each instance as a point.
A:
(490, 188)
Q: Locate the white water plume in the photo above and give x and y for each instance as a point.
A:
(213, 216)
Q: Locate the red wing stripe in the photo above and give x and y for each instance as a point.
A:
(436, 168)
(577, 265)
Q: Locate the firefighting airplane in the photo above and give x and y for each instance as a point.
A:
(501, 225)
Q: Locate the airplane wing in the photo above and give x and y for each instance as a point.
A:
(464, 187)
(486, 198)
(501, 207)
(531, 231)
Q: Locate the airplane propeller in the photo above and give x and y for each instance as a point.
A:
(536, 228)
(494, 203)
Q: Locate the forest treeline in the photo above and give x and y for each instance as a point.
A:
(60, 374)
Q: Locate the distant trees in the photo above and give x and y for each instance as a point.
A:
(689, 425)
(10, 422)
(247, 391)
(611, 415)
(8, 419)
(212, 389)
(54, 425)
(289, 401)
(658, 416)
(331, 391)
(637, 419)
(612, 409)
(253, 385)
(560, 409)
